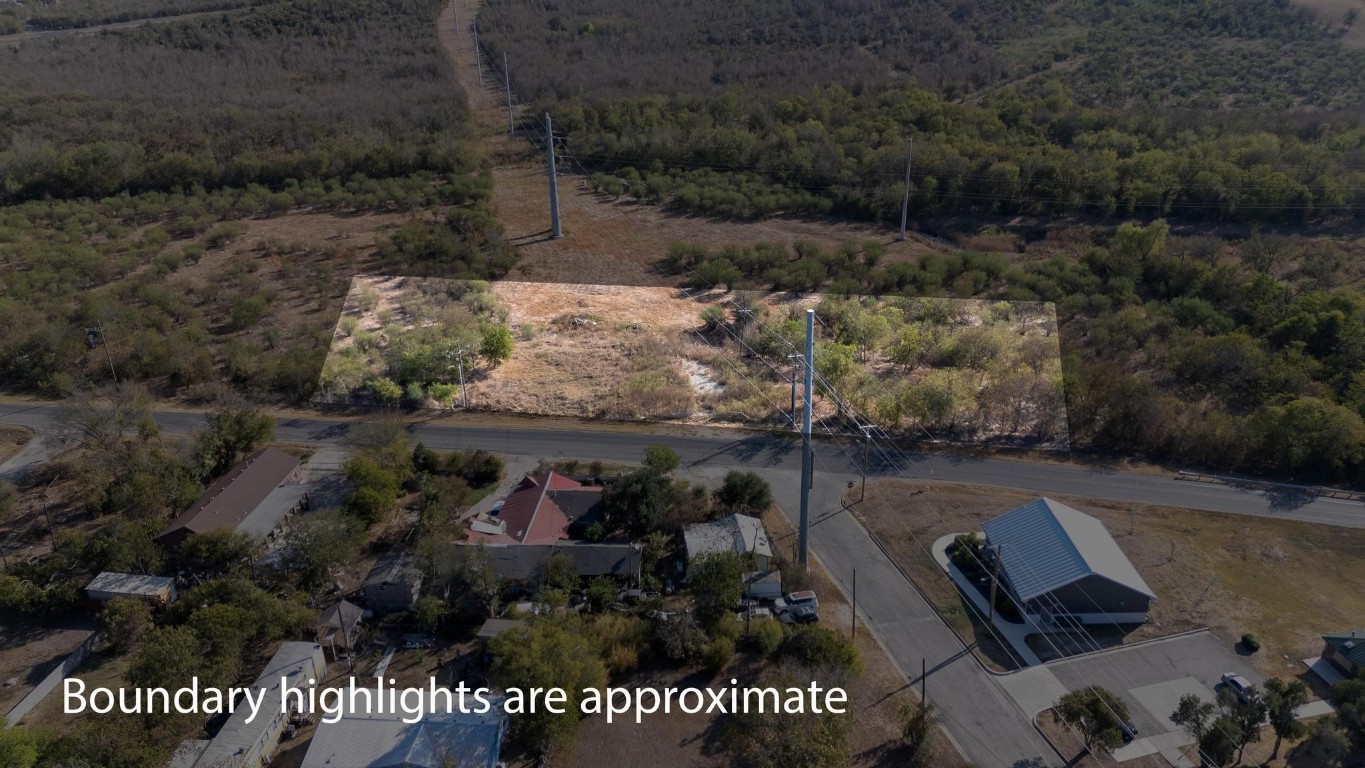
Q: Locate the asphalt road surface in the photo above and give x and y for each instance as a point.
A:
(982, 719)
(753, 451)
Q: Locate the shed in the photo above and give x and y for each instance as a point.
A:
(339, 626)
(1062, 566)
(1346, 651)
(737, 533)
(152, 589)
(494, 627)
(237, 500)
(392, 584)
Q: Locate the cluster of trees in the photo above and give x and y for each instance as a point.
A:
(383, 467)
(1241, 355)
(109, 202)
(301, 109)
(1149, 52)
(649, 500)
(838, 151)
(458, 330)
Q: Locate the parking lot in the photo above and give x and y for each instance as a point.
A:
(1152, 677)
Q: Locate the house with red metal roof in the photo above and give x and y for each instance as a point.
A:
(541, 510)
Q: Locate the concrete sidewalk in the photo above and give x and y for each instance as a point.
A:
(1009, 631)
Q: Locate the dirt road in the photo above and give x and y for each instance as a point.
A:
(605, 241)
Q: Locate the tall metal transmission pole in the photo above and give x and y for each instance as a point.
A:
(555, 231)
(507, 83)
(803, 554)
(905, 204)
(478, 53)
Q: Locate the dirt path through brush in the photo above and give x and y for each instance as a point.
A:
(605, 241)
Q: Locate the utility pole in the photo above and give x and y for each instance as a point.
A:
(854, 612)
(464, 396)
(806, 468)
(793, 359)
(94, 337)
(507, 82)
(555, 231)
(478, 53)
(346, 634)
(995, 578)
(905, 204)
(867, 440)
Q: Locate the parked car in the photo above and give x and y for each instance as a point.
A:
(1129, 731)
(497, 506)
(418, 641)
(756, 612)
(799, 614)
(806, 598)
(637, 596)
(1239, 685)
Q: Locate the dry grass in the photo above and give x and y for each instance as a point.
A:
(1231, 573)
(12, 440)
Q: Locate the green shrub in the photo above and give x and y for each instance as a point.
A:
(767, 635)
(819, 647)
(717, 654)
(1250, 642)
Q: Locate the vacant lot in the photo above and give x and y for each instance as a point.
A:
(966, 369)
(1232, 574)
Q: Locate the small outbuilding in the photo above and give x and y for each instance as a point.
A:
(393, 584)
(1064, 568)
(1346, 651)
(339, 627)
(158, 590)
(742, 534)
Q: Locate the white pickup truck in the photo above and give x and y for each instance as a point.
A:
(783, 604)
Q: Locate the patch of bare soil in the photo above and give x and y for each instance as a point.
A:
(608, 241)
(12, 440)
(29, 650)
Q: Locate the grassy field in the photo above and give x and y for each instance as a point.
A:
(1230, 573)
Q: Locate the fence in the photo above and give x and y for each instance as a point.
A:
(53, 679)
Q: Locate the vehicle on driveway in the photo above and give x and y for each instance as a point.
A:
(1240, 686)
(1129, 731)
(497, 506)
(805, 598)
(799, 614)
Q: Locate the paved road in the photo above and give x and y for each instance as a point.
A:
(779, 452)
(983, 719)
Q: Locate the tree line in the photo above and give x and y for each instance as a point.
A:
(1207, 55)
(836, 151)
